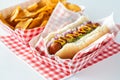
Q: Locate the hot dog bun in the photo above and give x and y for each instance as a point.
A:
(70, 49)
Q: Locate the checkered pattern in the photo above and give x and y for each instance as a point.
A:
(27, 35)
(108, 50)
(48, 67)
(52, 67)
(59, 18)
(86, 55)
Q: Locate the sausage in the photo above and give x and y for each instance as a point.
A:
(54, 47)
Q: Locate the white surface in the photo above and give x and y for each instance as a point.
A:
(12, 68)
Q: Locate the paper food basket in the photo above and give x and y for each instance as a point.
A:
(54, 68)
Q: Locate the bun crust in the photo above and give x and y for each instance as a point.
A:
(70, 49)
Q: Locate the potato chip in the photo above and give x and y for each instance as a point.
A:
(36, 14)
(44, 23)
(72, 7)
(20, 19)
(21, 15)
(23, 24)
(28, 14)
(45, 13)
(52, 3)
(42, 3)
(42, 9)
(42, 14)
(36, 22)
(15, 13)
(4, 21)
(63, 0)
(13, 23)
(33, 14)
(32, 7)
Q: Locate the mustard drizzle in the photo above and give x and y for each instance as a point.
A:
(77, 34)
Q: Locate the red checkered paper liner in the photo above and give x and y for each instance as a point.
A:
(52, 67)
(96, 53)
(41, 64)
(56, 69)
(60, 17)
(26, 35)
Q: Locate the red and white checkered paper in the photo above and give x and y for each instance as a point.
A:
(52, 67)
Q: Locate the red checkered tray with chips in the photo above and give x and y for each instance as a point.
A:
(52, 67)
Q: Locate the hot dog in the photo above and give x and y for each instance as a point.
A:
(66, 42)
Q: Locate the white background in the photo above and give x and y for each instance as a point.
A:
(13, 68)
